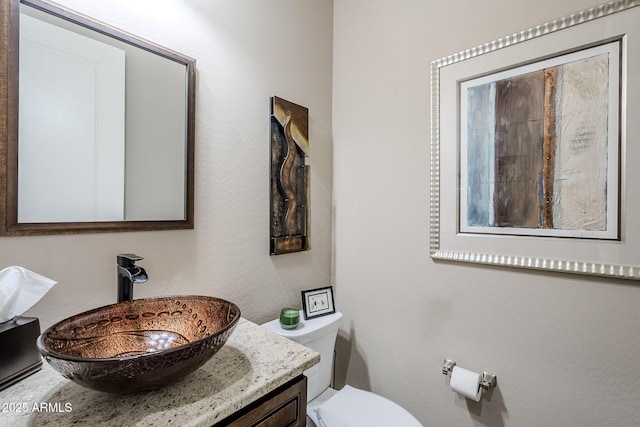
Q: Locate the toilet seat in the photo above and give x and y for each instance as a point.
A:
(352, 407)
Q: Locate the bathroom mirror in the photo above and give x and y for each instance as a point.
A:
(97, 126)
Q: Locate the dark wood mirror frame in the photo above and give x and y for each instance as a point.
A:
(9, 74)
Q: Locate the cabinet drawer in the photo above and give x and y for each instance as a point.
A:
(283, 407)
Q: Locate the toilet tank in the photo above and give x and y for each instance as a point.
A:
(318, 334)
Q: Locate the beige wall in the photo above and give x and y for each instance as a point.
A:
(246, 51)
(565, 348)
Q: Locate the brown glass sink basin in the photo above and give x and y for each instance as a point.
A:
(139, 345)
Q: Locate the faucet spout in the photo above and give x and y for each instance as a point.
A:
(128, 275)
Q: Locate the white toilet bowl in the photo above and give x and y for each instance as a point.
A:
(352, 407)
(348, 407)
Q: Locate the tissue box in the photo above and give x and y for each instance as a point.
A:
(19, 356)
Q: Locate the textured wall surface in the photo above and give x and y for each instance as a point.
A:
(565, 348)
(246, 52)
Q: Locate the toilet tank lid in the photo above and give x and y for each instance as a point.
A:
(307, 329)
(359, 408)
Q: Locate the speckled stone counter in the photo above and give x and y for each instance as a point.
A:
(252, 363)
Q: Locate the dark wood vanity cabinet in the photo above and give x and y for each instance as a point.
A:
(286, 406)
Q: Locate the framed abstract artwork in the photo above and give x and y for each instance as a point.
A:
(290, 178)
(318, 302)
(532, 149)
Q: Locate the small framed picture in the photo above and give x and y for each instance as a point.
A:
(318, 302)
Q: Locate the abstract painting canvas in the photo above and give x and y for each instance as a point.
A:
(533, 147)
(289, 177)
(539, 147)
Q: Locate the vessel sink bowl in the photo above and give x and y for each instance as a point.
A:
(139, 345)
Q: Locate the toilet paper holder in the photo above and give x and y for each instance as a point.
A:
(488, 381)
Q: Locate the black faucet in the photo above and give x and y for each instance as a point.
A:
(128, 274)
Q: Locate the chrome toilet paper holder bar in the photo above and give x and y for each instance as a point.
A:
(447, 368)
(488, 381)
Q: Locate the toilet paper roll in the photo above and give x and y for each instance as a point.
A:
(466, 383)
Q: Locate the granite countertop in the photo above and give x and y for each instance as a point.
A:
(252, 363)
